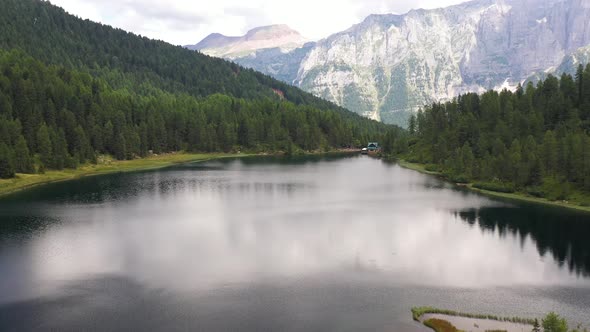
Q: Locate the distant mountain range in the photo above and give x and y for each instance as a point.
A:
(390, 65)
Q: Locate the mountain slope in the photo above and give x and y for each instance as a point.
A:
(276, 62)
(390, 65)
(49, 34)
(569, 65)
(393, 63)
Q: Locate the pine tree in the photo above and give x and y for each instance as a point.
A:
(580, 84)
(586, 162)
(44, 147)
(6, 162)
(120, 147)
(61, 158)
(412, 125)
(554, 323)
(467, 161)
(515, 163)
(550, 152)
(23, 162)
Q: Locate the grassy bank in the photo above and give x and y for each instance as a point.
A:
(418, 312)
(440, 325)
(105, 165)
(416, 167)
(108, 165)
(520, 196)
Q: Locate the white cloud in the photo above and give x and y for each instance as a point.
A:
(188, 21)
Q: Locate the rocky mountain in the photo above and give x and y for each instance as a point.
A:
(280, 37)
(281, 64)
(568, 65)
(390, 65)
(571, 62)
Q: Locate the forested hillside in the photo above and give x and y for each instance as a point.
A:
(124, 59)
(71, 90)
(534, 140)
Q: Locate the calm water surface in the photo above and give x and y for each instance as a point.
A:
(269, 244)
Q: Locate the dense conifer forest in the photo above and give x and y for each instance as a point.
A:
(534, 140)
(71, 89)
(125, 60)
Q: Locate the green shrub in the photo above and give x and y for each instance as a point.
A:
(556, 189)
(459, 179)
(432, 168)
(536, 192)
(554, 323)
(418, 312)
(495, 186)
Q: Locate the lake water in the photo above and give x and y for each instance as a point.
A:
(340, 243)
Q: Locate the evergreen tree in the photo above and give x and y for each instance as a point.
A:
(550, 152)
(6, 162)
(580, 84)
(44, 147)
(23, 162)
(533, 140)
(554, 323)
(467, 161)
(60, 149)
(412, 124)
(120, 147)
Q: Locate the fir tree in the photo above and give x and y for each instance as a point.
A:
(554, 323)
(44, 147)
(23, 162)
(6, 162)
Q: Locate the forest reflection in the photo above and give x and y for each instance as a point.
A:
(560, 234)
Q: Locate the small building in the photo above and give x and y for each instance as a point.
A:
(373, 146)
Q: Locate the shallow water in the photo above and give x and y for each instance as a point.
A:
(479, 325)
(312, 243)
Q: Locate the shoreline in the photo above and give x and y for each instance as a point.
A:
(522, 197)
(27, 181)
(447, 320)
(419, 312)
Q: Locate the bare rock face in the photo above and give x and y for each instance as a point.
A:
(390, 65)
(517, 38)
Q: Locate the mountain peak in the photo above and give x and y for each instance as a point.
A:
(212, 40)
(264, 37)
(271, 31)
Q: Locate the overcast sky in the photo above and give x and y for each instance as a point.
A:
(188, 21)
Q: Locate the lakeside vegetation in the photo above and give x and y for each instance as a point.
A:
(418, 312)
(532, 144)
(572, 203)
(552, 322)
(105, 165)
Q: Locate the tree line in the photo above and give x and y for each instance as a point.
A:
(72, 89)
(54, 118)
(535, 139)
